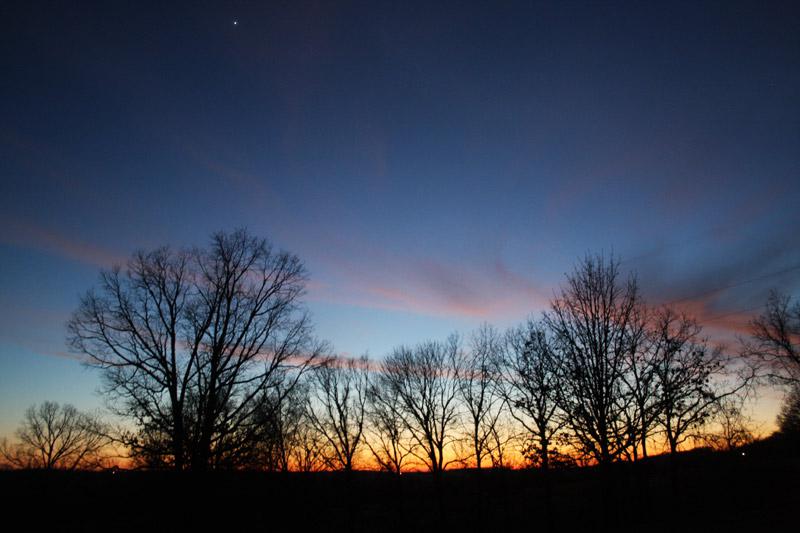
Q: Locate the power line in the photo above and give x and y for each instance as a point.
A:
(712, 318)
(737, 284)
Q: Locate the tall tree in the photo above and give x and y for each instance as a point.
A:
(132, 328)
(590, 322)
(190, 343)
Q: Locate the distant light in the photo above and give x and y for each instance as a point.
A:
(235, 22)
(742, 453)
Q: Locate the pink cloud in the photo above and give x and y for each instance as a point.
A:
(725, 325)
(254, 185)
(414, 301)
(23, 234)
(435, 288)
(45, 349)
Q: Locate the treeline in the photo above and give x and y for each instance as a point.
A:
(209, 358)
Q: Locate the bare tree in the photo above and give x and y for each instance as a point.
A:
(776, 339)
(283, 419)
(191, 342)
(425, 379)
(307, 452)
(590, 323)
(131, 329)
(529, 382)
(690, 377)
(387, 438)
(478, 391)
(337, 407)
(641, 382)
(502, 439)
(57, 437)
(789, 417)
(734, 428)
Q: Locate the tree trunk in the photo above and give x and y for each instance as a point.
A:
(605, 454)
(544, 443)
(673, 445)
(644, 442)
(178, 447)
(477, 451)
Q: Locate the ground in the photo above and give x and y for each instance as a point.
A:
(754, 488)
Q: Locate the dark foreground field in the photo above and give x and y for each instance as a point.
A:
(697, 491)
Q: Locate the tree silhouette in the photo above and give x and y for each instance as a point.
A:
(641, 383)
(337, 407)
(789, 417)
(689, 374)
(191, 343)
(307, 450)
(283, 421)
(734, 427)
(776, 339)
(131, 329)
(425, 379)
(529, 382)
(590, 323)
(477, 389)
(388, 438)
(57, 437)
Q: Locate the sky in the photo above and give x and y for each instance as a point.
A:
(434, 165)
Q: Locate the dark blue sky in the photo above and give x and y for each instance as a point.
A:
(434, 166)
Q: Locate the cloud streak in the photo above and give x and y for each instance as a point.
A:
(26, 235)
(434, 287)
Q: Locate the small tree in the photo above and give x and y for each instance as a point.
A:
(529, 383)
(388, 438)
(337, 407)
(734, 428)
(789, 417)
(282, 419)
(308, 452)
(478, 392)
(691, 377)
(425, 379)
(57, 437)
(502, 440)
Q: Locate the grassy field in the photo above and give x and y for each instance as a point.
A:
(753, 489)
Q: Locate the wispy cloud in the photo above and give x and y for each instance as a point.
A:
(228, 167)
(724, 285)
(24, 234)
(435, 287)
(722, 288)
